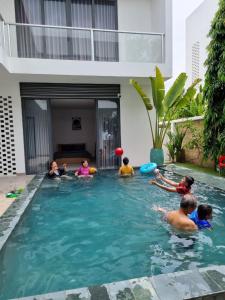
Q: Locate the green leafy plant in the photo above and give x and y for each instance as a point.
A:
(165, 104)
(214, 89)
(196, 140)
(171, 145)
(195, 107)
(175, 145)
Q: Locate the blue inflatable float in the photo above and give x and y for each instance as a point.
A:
(148, 168)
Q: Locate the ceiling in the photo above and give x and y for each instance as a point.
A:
(73, 103)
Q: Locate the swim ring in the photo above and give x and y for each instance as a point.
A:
(148, 168)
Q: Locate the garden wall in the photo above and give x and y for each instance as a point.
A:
(195, 155)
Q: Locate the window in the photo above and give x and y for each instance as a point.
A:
(62, 43)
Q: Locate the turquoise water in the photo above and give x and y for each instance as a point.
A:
(84, 232)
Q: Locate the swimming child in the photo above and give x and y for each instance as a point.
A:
(126, 169)
(84, 170)
(55, 172)
(183, 187)
(201, 216)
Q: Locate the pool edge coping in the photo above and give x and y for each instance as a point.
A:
(190, 284)
(12, 216)
(177, 171)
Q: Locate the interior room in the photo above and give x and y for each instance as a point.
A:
(73, 131)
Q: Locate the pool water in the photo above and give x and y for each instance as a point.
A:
(78, 233)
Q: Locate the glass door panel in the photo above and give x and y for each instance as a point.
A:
(37, 135)
(108, 134)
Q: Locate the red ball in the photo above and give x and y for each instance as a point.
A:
(119, 151)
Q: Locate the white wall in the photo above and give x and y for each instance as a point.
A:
(10, 87)
(158, 15)
(134, 15)
(7, 10)
(197, 29)
(135, 131)
(147, 16)
(62, 128)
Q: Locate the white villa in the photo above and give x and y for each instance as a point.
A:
(65, 67)
(197, 29)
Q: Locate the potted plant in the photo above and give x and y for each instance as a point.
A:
(165, 105)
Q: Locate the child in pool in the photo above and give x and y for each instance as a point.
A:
(126, 169)
(55, 172)
(84, 170)
(201, 216)
(183, 187)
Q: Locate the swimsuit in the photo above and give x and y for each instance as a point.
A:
(200, 223)
(182, 189)
(126, 170)
(83, 171)
(56, 174)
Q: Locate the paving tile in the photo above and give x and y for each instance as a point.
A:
(143, 289)
(220, 297)
(121, 290)
(78, 294)
(99, 293)
(215, 277)
(125, 294)
(180, 285)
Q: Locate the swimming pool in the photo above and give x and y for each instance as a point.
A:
(84, 232)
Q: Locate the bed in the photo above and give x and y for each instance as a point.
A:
(71, 154)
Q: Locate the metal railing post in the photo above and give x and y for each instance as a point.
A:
(163, 48)
(92, 45)
(3, 33)
(9, 40)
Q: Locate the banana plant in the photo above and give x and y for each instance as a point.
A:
(165, 104)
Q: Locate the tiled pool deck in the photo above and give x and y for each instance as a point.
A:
(199, 284)
(12, 215)
(9, 183)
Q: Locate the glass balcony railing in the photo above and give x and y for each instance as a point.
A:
(84, 44)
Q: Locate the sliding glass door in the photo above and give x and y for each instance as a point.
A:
(37, 135)
(108, 133)
(60, 43)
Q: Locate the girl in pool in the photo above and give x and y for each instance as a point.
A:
(183, 187)
(55, 172)
(84, 170)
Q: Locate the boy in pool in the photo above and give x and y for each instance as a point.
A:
(84, 170)
(201, 216)
(183, 187)
(126, 169)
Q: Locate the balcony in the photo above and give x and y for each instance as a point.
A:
(82, 44)
(35, 49)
